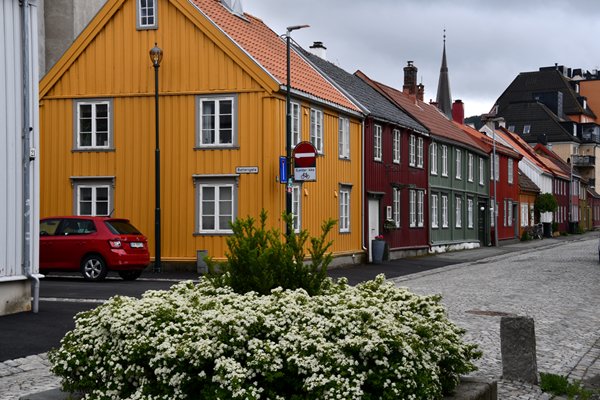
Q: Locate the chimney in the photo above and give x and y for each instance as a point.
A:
(319, 50)
(458, 112)
(410, 79)
(420, 91)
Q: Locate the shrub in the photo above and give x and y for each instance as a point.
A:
(559, 385)
(525, 236)
(372, 341)
(259, 260)
(545, 202)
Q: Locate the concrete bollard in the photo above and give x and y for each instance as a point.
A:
(517, 343)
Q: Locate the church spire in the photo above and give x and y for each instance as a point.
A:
(444, 99)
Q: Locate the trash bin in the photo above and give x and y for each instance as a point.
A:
(377, 248)
(547, 229)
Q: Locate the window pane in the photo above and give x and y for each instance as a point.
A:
(85, 111)
(225, 107)
(101, 111)
(208, 222)
(85, 208)
(102, 208)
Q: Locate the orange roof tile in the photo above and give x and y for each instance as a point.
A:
(489, 142)
(426, 114)
(270, 51)
(522, 147)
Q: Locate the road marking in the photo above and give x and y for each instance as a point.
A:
(68, 300)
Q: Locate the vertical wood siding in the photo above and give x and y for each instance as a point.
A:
(116, 65)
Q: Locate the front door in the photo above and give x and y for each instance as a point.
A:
(481, 207)
(373, 223)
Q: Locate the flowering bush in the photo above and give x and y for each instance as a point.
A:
(379, 237)
(372, 341)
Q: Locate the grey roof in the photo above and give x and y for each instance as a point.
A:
(541, 121)
(527, 184)
(376, 104)
(543, 85)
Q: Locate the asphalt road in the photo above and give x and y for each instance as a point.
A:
(62, 296)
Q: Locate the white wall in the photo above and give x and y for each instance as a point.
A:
(15, 291)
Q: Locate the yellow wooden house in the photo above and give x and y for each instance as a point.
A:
(222, 120)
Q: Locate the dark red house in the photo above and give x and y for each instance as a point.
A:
(395, 165)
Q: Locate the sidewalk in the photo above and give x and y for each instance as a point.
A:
(462, 271)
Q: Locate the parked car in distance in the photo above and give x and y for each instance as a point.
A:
(93, 246)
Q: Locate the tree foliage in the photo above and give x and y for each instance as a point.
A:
(546, 202)
(260, 260)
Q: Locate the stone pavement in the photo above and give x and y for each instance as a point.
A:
(559, 288)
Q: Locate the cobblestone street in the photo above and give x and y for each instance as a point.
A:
(559, 287)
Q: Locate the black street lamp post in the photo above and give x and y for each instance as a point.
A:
(156, 55)
(288, 124)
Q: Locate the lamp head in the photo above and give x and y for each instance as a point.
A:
(156, 55)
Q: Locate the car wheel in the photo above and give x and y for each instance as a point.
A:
(93, 268)
(130, 275)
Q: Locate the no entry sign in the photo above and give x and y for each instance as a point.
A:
(305, 162)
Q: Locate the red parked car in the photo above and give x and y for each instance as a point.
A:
(92, 245)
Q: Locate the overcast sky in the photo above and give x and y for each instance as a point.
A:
(488, 42)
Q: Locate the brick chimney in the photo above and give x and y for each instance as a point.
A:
(458, 112)
(410, 79)
(319, 50)
(420, 91)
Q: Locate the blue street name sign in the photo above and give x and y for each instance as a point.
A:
(283, 169)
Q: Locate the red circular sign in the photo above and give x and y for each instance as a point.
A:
(305, 155)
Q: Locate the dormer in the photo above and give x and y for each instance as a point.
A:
(235, 6)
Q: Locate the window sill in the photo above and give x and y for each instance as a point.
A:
(221, 233)
(93, 150)
(223, 147)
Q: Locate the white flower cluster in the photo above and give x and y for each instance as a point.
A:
(372, 341)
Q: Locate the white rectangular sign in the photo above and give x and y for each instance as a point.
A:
(305, 174)
(246, 170)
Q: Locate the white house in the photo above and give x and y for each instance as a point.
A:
(19, 168)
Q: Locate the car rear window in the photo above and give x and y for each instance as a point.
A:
(122, 228)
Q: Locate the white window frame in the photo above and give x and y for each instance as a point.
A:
(296, 207)
(509, 221)
(377, 143)
(481, 171)
(526, 129)
(510, 171)
(470, 213)
(444, 211)
(316, 129)
(495, 168)
(344, 138)
(458, 154)
(420, 204)
(94, 132)
(524, 214)
(412, 208)
(505, 215)
(412, 157)
(215, 182)
(396, 146)
(444, 160)
(94, 184)
(218, 101)
(470, 168)
(458, 216)
(419, 152)
(396, 206)
(147, 11)
(433, 159)
(296, 122)
(344, 208)
(434, 211)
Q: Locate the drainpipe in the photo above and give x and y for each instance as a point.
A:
(362, 178)
(28, 153)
